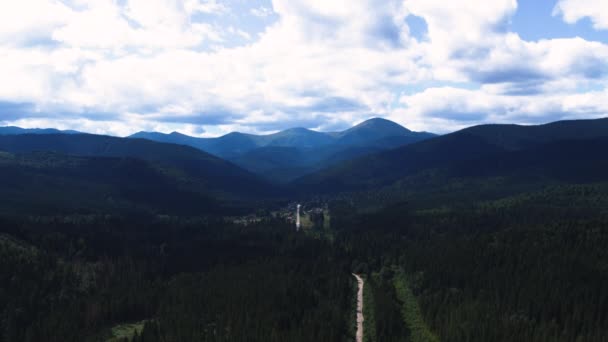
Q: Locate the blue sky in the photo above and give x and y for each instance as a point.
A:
(208, 67)
(534, 20)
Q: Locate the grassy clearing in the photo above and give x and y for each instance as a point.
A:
(352, 328)
(14, 248)
(120, 332)
(369, 323)
(306, 221)
(411, 311)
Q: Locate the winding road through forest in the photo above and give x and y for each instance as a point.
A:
(360, 283)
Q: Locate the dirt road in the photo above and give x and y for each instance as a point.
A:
(360, 318)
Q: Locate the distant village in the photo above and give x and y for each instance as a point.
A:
(313, 215)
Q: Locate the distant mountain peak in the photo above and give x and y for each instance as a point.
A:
(288, 154)
(297, 129)
(380, 123)
(373, 130)
(377, 120)
(233, 134)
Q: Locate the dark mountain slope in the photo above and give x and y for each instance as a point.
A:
(504, 174)
(284, 164)
(516, 136)
(388, 166)
(262, 159)
(564, 160)
(52, 184)
(215, 173)
(229, 145)
(463, 146)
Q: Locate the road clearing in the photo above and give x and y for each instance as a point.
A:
(360, 319)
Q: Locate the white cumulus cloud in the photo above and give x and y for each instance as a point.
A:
(575, 10)
(121, 66)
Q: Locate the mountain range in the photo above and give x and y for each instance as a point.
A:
(12, 130)
(479, 147)
(292, 153)
(59, 171)
(71, 170)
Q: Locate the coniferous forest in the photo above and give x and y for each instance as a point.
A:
(185, 280)
(525, 268)
(529, 267)
(495, 245)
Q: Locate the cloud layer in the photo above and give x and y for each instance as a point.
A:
(116, 67)
(575, 10)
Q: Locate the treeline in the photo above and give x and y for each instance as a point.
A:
(531, 267)
(189, 279)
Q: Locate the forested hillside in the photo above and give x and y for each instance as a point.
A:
(472, 146)
(530, 267)
(466, 240)
(304, 171)
(182, 163)
(73, 278)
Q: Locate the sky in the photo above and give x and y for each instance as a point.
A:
(209, 67)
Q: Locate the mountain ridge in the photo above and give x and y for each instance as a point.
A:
(208, 171)
(471, 143)
(311, 150)
(14, 130)
(234, 143)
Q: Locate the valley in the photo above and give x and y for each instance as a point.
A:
(492, 233)
(304, 171)
(292, 153)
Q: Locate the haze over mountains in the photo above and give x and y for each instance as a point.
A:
(294, 152)
(373, 154)
(64, 170)
(370, 132)
(12, 130)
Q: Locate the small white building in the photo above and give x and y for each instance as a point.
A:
(298, 223)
